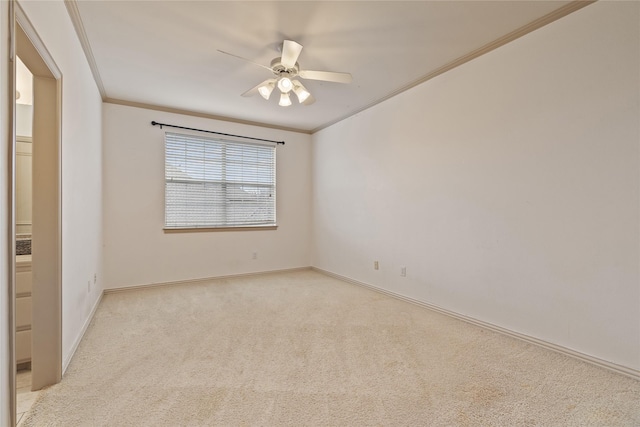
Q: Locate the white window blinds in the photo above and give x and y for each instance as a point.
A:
(211, 182)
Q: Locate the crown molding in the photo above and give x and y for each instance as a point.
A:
(74, 14)
(202, 115)
(508, 38)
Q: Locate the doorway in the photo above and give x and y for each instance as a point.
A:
(46, 254)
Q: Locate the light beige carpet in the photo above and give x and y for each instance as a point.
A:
(301, 348)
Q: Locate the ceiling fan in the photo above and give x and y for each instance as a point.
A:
(285, 68)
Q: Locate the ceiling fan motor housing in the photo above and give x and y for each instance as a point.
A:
(281, 71)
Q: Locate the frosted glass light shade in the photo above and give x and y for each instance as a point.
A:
(285, 85)
(285, 101)
(265, 90)
(301, 92)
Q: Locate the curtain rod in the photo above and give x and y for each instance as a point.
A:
(154, 123)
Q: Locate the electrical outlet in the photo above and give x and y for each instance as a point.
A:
(254, 255)
(403, 271)
(95, 278)
(376, 265)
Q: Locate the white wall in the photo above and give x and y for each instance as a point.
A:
(508, 187)
(81, 169)
(138, 252)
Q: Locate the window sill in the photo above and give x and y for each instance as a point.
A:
(209, 229)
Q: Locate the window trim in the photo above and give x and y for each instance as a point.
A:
(215, 229)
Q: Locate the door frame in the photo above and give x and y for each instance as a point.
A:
(46, 330)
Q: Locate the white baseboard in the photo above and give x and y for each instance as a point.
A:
(198, 280)
(630, 372)
(76, 343)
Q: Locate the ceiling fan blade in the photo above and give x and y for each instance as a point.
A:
(254, 90)
(244, 59)
(290, 53)
(327, 76)
(310, 100)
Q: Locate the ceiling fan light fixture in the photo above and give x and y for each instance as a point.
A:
(285, 101)
(301, 92)
(265, 90)
(284, 69)
(285, 85)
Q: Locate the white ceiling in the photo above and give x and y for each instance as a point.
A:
(164, 53)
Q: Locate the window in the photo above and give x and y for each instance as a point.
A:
(216, 183)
